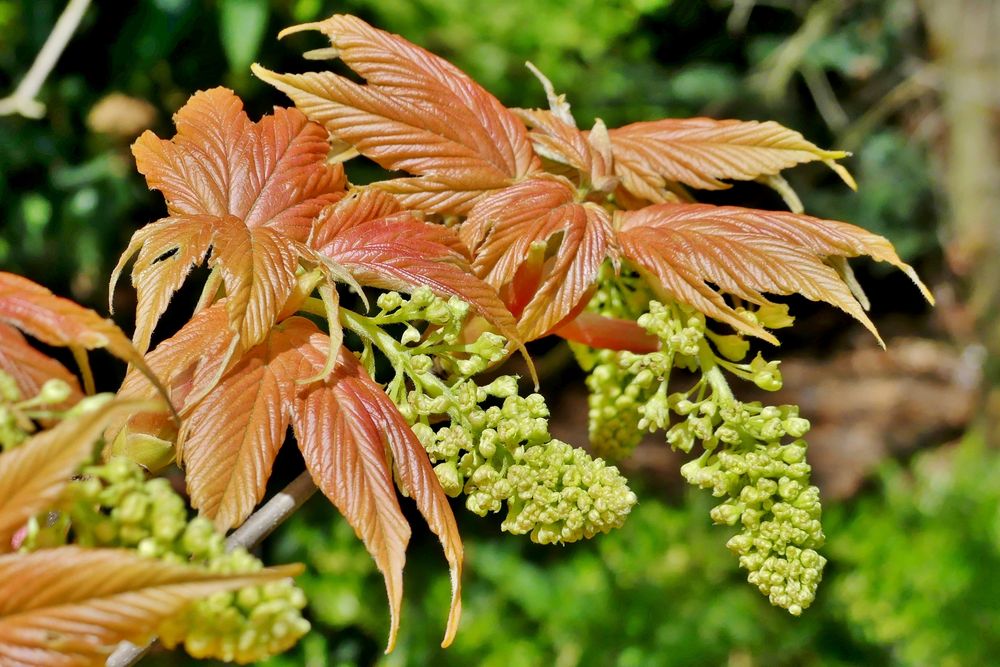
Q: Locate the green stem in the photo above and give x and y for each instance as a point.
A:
(713, 373)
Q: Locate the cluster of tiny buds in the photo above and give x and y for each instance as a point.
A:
(114, 505)
(16, 411)
(613, 405)
(503, 454)
(443, 339)
(767, 491)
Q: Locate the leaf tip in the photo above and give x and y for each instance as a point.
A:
(841, 171)
(302, 27)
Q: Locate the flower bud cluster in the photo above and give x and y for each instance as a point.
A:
(443, 337)
(114, 505)
(16, 411)
(613, 407)
(767, 493)
(503, 454)
(764, 483)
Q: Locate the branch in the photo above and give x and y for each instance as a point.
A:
(23, 101)
(259, 525)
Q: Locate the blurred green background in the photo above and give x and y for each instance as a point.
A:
(904, 442)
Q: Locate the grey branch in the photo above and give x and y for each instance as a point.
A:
(24, 99)
(259, 525)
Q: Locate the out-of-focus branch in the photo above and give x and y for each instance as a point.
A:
(259, 525)
(964, 38)
(24, 98)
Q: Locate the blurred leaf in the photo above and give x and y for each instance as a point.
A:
(242, 24)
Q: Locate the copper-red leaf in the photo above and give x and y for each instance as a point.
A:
(507, 228)
(689, 248)
(400, 252)
(417, 113)
(232, 435)
(700, 151)
(57, 321)
(29, 367)
(250, 191)
(345, 427)
(69, 607)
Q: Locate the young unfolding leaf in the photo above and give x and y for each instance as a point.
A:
(88, 600)
(57, 321)
(382, 246)
(246, 190)
(699, 151)
(560, 142)
(510, 233)
(345, 428)
(33, 474)
(343, 425)
(745, 252)
(418, 113)
(231, 436)
(30, 368)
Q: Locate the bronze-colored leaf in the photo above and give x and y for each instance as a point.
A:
(517, 227)
(698, 152)
(417, 113)
(400, 252)
(69, 607)
(249, 191)
(30, 368)
(232, 435)
(57, 321)
(345, 427)
(689, 248)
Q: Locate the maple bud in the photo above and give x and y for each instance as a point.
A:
(53, 391)
(9, 391)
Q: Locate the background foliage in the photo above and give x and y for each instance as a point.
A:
(913, 558)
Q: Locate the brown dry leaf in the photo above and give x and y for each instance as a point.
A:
(69, 607)
(510, 233)
(418, 113)
(689, 248)
(33, 474)
(698, 152)
(249, 191)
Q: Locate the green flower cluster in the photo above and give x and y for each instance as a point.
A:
(768, 494)
(495, 445)
(17, 412)
(442, 341)
(613, 400)
(114, 505)
(613, 406)
(504, 453)
(747, 459)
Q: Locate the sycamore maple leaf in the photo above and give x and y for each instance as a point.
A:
(88, 600)
(370, 235)
(30, 368)
(698, 152)
(247, 192)
(689, 248)
(510, 233)
(344, 425)
(57, 321)
(418, 113)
